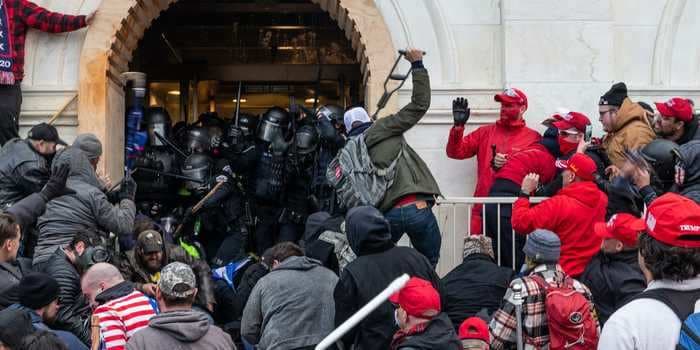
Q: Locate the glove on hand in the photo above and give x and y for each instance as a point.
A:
(279, 145)
(128, 189)
(56, 186)
(460, 111)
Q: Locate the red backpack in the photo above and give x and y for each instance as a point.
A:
(572, 325)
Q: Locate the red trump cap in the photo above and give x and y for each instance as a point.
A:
(418, 298)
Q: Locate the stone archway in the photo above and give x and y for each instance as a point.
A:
(120, 24)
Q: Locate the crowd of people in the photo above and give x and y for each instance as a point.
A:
(270, 231)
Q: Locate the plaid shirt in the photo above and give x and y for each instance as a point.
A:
(23, 14)
(534, 316)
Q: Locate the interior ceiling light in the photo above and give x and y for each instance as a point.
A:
(243, 100)
(174, 92)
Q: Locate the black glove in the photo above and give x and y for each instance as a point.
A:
(128, 188)
(56, 186)
(279, 145)
(187, 217)
(460, 111)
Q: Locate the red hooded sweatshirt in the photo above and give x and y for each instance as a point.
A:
(508, 136)
(571, 214)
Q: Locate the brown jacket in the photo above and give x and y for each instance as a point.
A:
(631, 130)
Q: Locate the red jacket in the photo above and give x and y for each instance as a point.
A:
(509, 138)
(571, 214)
(534, 159)
(24, 14)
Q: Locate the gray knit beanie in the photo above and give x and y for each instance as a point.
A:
(543, 246)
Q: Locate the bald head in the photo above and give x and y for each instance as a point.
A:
(98, 278)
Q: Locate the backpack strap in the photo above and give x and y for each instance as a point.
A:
(690, 333)
(681, 302)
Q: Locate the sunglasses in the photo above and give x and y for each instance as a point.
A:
(568, 133)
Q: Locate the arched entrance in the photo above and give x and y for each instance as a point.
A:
(120, 24)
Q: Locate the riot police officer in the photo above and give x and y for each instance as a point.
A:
(329, 123)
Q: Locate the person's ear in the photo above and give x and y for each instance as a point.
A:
(619, 246)
(80, 248)
(159, 295)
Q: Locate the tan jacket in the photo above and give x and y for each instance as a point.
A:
(631, 130)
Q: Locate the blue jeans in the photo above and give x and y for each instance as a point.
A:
(420, 225)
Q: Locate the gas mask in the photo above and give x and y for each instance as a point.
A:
(92, 256)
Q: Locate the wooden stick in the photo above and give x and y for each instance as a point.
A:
(95, 332)
(199, 205)
(62, 109)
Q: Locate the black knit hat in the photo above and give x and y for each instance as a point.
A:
(614, 96)
(37, 290)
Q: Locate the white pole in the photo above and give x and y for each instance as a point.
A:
(351, 322)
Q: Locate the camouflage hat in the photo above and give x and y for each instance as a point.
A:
(177, 280)
(150, 241)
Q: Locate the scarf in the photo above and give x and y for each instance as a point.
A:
(401, 335)
(6, 53)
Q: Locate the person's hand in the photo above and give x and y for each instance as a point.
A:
(210, 307)
(413, 55)
(149, 289)
(582, 146)
(56, 186)
(500, 160)
(279, 145)
(104, 179)
(612, 172)
(530, 183)
(680, 175)
(222, 178)
(90, 17)
(641, 178)
(127, 189)
(460, 111)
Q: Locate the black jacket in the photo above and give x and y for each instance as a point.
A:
(613, 280)
(691, 133)
(379, 262)
(27, 210)
(691, 159)
(74, 313)
(10, 275)
(439, 335)
(23, 171)
(478, 282)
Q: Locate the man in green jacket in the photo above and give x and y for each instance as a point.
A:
(408, 203)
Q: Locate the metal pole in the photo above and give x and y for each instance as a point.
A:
(351, 322)
(238, 101)
(518, 302)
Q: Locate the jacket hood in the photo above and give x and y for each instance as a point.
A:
(359, 129)
(185, 326)
(625, 256)
(629, 112)
(80, 168)
(550, 142)
(299, 263)
(689, 134)
(116, 291)
(314, 226)
(440, 334)
(587, 193)
(368, 231)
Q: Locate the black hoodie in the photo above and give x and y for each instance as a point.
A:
(439, 335)
(379, 262)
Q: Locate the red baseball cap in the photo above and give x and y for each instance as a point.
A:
(512, 95)
(474, 328)
(674, 220)
(418, 298)
(622, 227)
(677, 107)
(571, 120)
(582, 165)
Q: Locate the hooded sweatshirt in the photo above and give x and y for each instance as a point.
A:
(87, 208)
(180, 329)
(379, 262)
(291, 307)
(508, 136)
(631, 130)
(438, 335)
(570, 214)
(691, 158)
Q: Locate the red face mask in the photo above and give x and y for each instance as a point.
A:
(565, 146)
(511, 112)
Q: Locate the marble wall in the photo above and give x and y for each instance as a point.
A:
(562, 53)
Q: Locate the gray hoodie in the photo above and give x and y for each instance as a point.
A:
(87, 208)
(291, 307)
(180, 330)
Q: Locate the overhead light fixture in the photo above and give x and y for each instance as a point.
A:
(310, 100)
(174, 92)
(243, 100)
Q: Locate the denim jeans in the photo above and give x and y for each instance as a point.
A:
(420, 225)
